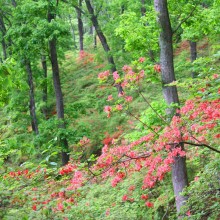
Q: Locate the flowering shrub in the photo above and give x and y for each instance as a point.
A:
(151, 156)
(128, 173)
(85, 58)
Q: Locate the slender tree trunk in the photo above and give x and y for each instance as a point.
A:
(44, 67)
(193, 54)
(179, 172)
(94, 38)
(80, 26)
(58, 92)
(3, 30)
(100, 35)
(122, 9)
(94, 35)
(31, 98)
(91, 30)
(4, 49)
(103, 40)
(143, 7)
(73, 32)
(14, 3)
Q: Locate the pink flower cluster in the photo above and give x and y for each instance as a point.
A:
(77, 180)
(104, 75)
(84, 141)
(118, 178)
(69, 168)
(116, 76)
(108, 110)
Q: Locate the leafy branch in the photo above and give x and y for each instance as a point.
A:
(184, 20)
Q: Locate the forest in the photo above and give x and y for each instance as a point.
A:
(109, 109)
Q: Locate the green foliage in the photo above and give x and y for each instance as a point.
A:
(206, 85)
(203, 193)
(10, 83)
(138, 32)
(155, 115)
(84, 100)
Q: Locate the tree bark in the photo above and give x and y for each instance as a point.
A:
(193, 54)
(143, 7)
(100, 35)
(80, 26)
(179, 172)
(58, 93)
(94, 38)
(179, 180)
(44, 67)
(14, 3)
(31, 98)
(73, 32)
(4, 49)
(103, 40)
(3, 30)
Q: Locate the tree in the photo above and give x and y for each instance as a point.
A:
(57, 85)
(45, 92)
(103, 40)
(5, 24)
(193, 54)
(80, 25)
(101, 35)
(179, 172)
(3, 33)
(34, 123)
(24, 57)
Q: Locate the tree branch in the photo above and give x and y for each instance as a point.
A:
(79, 9)
(185, 19)
(144, 155)
(143, 123)
(194, 144)
(75, 6)
(201, 145)
(163, 119)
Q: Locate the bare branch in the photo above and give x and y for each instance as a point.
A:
(201, 145)
(194, 144)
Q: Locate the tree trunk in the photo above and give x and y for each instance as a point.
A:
(58, 92)
(44, 67)
(91, 30)
(3, 30)
(73, 32)
(14, 3)
(143, 7)
(80, 26)
(179, 172)
(4, 49)
(193, 54)
(103, 40)
(31, 97)
(94, 36)
(179, 180)
(100, 35)
(95, 40)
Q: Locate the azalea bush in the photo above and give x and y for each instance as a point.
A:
(130, 175)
